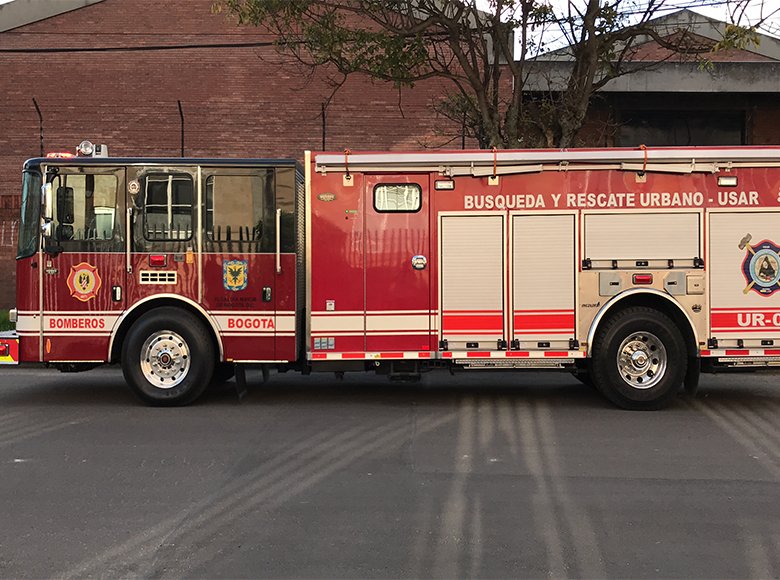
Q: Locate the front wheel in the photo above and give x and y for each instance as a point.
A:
(167, 357)
(639, 359)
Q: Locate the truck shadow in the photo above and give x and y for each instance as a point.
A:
(435, 388)
(105, 387)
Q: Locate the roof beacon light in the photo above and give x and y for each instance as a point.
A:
(85, 149)
(59, 154)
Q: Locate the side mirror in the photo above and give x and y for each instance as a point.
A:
(65, 207)
(46, 201)
(49, 245)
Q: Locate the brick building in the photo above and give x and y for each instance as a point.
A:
(672, 100)
(166, 78)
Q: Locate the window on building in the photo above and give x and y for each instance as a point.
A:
(682, 128)
(403, 197)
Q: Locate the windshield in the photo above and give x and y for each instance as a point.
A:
(31, 207)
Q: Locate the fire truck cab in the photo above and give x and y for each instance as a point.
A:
(633, 269)
(175, 268)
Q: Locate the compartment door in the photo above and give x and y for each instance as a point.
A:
(397, 270)
(745, 275)
(472, 280)
(543, 268)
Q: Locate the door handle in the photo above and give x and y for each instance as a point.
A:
(266, 293)
(419, 262)
(278, 243)
(128, 234)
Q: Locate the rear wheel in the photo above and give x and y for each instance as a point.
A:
(167, 357)
(639, 359)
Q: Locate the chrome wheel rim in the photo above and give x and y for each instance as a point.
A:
(165, 359)
(642, 360)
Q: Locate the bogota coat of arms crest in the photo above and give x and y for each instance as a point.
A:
(235, 274)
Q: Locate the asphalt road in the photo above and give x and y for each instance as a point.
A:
(472, 476)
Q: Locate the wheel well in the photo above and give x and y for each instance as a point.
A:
(145, 308)
(663, 305)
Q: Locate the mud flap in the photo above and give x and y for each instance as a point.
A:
(240, 381)
(241, 389)
(691, 382)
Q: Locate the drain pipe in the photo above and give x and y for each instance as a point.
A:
(40, 122)
(181, 116)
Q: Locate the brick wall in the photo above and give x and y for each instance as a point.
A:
(9, 229)
(237, 102)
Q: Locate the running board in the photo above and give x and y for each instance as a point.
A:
(506, 363)
(749, 361)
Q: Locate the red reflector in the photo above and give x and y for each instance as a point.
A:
(158, 260)
(643, 278)
(60, 154)
(4, 349)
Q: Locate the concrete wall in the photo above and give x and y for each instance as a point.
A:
(21, 12)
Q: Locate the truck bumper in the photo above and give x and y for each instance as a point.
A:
(9, 348)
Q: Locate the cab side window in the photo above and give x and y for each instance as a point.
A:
(168, 206)
(85, 207)
(238, 217)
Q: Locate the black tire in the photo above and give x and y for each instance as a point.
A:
(639, 359)
(168, 357)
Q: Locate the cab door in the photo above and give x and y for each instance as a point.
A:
(164, 225)
(84, 270)
(239, 259)
(397, 266)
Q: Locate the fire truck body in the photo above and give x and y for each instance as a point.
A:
(534, 256)
(634, 269)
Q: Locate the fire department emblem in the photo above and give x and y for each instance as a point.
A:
(84, 281)
(761, 266)
(234, 275)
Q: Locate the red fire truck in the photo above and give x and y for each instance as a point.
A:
(634, 269)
